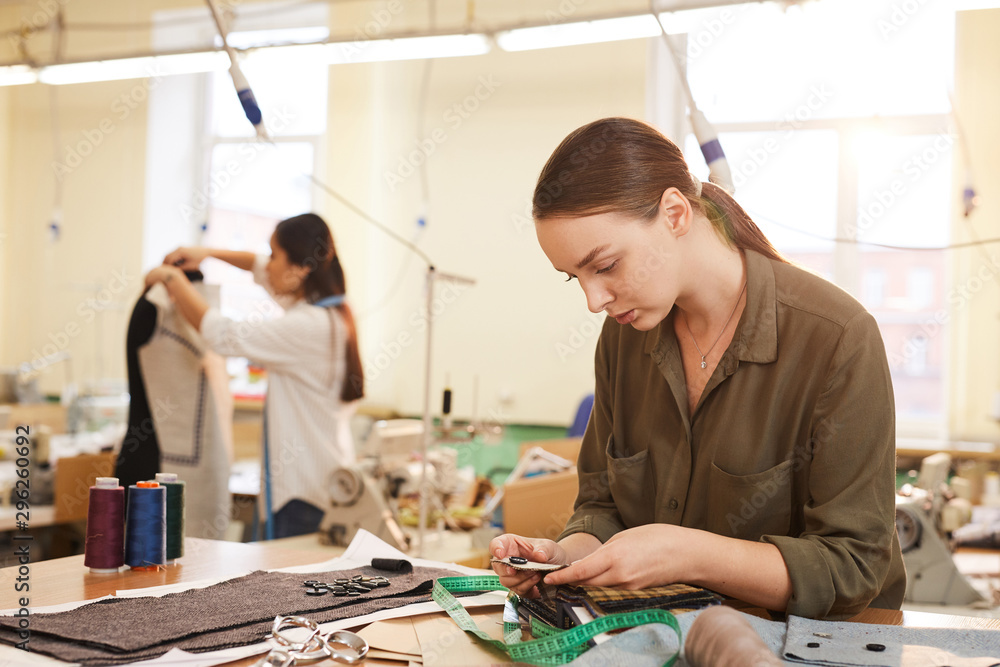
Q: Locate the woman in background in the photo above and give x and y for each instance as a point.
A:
(310, 354)
(743, 431)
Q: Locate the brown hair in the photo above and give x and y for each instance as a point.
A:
(307, 241)
(621, 165)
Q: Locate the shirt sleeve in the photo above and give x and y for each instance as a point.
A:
(595, 511)
(276, 344)
(840, 561)
(259, 272)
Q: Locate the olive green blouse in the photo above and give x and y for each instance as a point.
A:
(791, 443)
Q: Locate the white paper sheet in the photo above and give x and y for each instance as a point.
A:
(362, 549)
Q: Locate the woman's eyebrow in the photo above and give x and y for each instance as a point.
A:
(591, 256)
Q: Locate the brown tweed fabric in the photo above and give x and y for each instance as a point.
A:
(232, 613)
(600, 601)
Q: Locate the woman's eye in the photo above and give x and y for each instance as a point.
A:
(609, 267)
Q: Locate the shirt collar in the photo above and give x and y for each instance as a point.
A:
(756, 337)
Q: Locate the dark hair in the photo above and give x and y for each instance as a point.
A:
(307, 241)
(621, 165)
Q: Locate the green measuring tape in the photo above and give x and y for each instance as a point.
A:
(552, 646)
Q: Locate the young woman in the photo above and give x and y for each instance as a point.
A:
(743, 432)
(310, 353)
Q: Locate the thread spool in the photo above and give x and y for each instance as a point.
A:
(104, 550)
(146, 526)
(991, 490)
(175, 514)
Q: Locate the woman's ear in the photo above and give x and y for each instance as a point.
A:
(676, 211)
(300, 272)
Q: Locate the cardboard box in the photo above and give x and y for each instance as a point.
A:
(568, 448)
(74, 475)
(540, 506)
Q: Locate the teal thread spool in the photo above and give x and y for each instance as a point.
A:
(175, 513)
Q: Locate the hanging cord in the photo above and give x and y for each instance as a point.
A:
(708, 139)
(838, 239)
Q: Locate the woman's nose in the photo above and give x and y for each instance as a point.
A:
(598, 296)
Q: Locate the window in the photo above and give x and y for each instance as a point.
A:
(873, 294)
(241, 187)
(834, 117)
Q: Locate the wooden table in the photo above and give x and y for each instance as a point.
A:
(67, 580)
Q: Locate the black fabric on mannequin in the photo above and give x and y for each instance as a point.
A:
(139, 456)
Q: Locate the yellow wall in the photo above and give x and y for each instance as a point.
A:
(527, 336)
(975, 378)
(505, 330)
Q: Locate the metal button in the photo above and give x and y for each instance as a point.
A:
(315, 591)
(673, 503)
(875, 647)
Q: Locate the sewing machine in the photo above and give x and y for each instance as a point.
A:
(926, 514)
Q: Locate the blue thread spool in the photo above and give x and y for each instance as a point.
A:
(175, 514)
(146, 526)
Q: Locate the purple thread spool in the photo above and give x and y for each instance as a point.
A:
(104, 551)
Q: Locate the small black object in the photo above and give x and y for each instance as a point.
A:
(878, 648)
(813, 644)
(382, 584)
(353, 594)
(340, 592)
(393, 565)
(316, 591)
(518, 560)
(309, 582)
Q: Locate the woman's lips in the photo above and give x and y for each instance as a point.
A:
(626, 318)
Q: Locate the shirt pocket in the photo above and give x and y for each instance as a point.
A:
(749, 506)
(631, 486)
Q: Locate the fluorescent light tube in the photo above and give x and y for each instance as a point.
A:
(17, 75)
(409, 48)
(134, 68)
(585, 32)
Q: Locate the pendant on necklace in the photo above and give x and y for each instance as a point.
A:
(704, 364)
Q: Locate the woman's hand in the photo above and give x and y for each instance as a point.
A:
(651, 555)
(186, 259)
(536, 550)
(163, 274)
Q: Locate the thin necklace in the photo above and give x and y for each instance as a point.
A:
(704, 364)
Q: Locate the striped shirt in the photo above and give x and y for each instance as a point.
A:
(308, 427)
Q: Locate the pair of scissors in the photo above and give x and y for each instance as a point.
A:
(316, 645)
